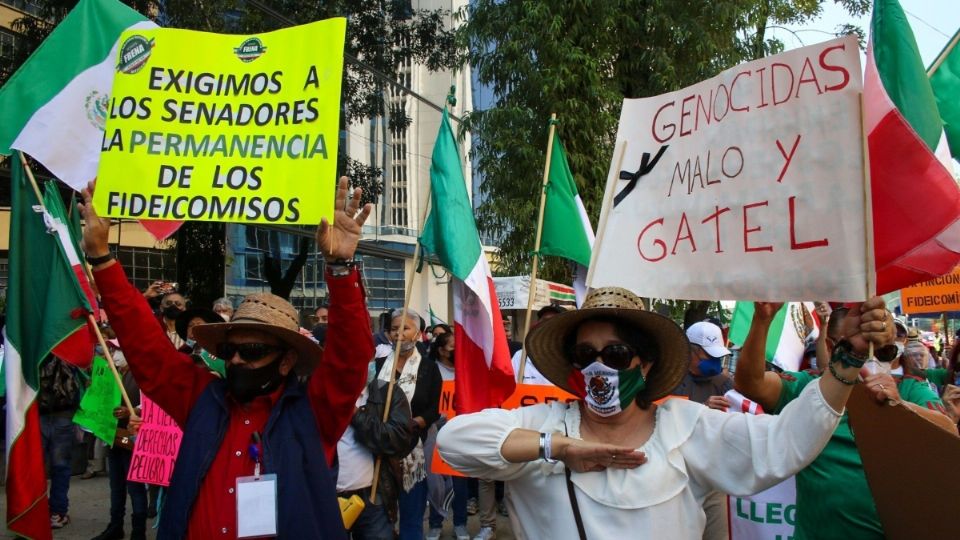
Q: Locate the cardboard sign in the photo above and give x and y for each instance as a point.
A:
(934, 296)
(96, 408)
(157, 446)
(906, 488)
(749, 185)
(215, 127)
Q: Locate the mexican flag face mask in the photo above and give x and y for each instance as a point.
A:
(608, 391)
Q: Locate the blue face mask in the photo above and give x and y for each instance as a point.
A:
(710, 367)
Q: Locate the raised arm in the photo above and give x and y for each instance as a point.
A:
(339, 378)
(168, 377)
(751, 378)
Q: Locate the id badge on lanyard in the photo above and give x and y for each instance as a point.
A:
(257, 498)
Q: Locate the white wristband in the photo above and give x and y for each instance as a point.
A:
(547, 447)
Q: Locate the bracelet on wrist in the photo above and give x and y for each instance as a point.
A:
(546, 447)
(845, 355)
(837, 376)
(94, 261)
(341, 267)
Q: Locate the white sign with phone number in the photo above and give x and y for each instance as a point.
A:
(513, 292)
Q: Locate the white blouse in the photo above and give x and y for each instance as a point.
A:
(692, 451)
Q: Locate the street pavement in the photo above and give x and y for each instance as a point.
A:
(90, 512)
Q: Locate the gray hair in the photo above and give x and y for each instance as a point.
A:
(222, 302)
(411, 314)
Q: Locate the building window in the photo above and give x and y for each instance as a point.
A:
(27, 6)
(146, 265)
(384, 281)
(8, 44)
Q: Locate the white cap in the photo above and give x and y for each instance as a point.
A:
(708, 336)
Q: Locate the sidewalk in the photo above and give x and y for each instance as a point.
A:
(90, 512)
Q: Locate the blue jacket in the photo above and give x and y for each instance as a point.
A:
(292, 449)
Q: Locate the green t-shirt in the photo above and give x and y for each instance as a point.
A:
(833, 498)
(938, 376)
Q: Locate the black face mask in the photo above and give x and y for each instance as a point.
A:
(171, 312)
(244, 384)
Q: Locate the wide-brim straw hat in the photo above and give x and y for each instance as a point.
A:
(266, 313)
(545, 343)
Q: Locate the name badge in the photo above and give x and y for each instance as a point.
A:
(257, 506)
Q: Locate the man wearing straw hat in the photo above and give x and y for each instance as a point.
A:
(258, 426)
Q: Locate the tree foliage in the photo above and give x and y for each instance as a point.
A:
(580, 59)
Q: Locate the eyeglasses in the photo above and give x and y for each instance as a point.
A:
(617, 356)
(249, 352)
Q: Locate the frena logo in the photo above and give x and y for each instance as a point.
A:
(96, 107)
(134, 54)
(600, 389)
(250, 50)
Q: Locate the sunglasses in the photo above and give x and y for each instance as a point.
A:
(617, 356)
(249, 352)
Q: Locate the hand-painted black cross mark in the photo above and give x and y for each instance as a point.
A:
(645, 167)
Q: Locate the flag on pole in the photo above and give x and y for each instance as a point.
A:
(945, 81)
(55, 106)
(793, 328)
(484, 373)
(46, 310)
(566, 231)
(434, 320)
(916, 202)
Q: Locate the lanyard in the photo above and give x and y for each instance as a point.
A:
(256, 452)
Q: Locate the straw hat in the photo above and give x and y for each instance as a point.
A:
(545, 343)
(268, 313)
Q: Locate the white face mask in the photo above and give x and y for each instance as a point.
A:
(118, 359)
(899, 349)
(602, 389)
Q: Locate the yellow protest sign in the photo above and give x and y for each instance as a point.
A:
(215, 127)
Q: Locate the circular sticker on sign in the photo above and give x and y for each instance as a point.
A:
(134, 54)
(250, 50)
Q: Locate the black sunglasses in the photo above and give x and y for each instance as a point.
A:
(617, 356)
(249, 352)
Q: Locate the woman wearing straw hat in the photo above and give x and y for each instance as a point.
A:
(615, 463)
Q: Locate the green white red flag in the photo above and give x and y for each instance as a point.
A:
(793, 328)
(484, 375)
(55, 106)
(945, 81)
(916, 201)
(46, 314)
(566, 230)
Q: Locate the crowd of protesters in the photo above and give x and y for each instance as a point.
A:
(255, 384)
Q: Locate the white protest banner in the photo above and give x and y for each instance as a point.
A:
(513, 292)
(749, 185)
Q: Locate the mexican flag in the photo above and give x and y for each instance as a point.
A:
(916, 202)
(46, 313)
(56, 105)
(945, 80)
(566, 230)
(484, 375)
(793, 328)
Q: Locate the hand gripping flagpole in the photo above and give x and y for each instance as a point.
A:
(396, 348)
(532, 290)
(91, 320)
